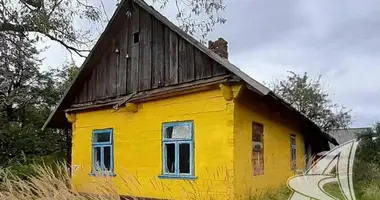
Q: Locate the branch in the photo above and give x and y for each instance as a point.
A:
(53, 8)
(34, 3)
(21, 49)
(104, 10)
(23, 28)
(5, 26)
(68, 47)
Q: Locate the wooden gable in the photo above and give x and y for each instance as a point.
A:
(142, 54)
(159, 59)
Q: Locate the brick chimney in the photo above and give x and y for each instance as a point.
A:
(220, 47)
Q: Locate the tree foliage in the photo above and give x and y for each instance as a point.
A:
(369, 148)
(54, 19)
(367, 158)
(307, 95)
(27, 96)
(197, 17)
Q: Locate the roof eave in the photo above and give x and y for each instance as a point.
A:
(327, 136)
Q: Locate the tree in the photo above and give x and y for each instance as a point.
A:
(64, 77)
(369, 147)
(197, 16)
(27, 96)
(367, 158)
(307, 96)
(54, 19)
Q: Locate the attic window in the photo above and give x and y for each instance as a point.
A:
(136, 37)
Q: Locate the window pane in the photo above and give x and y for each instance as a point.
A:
(180, 131)
(102, 137)
(170, 158)
(107, 158)
(169, 132)
(293, 140)
(257, 148)
(257, 137)
(184, 158)
(96, 161)
(293, 154)
(257, 132)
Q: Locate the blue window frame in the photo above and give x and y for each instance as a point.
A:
(102, 152)
(178, 150)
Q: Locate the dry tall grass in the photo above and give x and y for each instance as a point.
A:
(53, 183)
(49, 183)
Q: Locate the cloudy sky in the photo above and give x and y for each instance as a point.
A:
(339, 40)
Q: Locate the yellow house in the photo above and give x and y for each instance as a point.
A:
(159, 115)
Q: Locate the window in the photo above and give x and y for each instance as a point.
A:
(102, 152)
(136, 37)
(257, 148)
(308, 159)
(178, 149)
(293, 152)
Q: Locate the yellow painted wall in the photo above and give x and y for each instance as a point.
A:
(137, 147)
(277, 168)
(222, 135)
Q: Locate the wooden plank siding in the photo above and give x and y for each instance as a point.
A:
(133, 74)
(145, 67)
(166, 56)
(144, 54)
(181, 59)
(122, 61)
(111, 68)
(158, 67)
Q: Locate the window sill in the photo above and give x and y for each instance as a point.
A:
(109, 174)
(184, 177)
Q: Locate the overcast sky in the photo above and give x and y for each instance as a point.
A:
(339, 40)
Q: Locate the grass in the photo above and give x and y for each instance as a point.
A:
(273, 194)
(52, 182)
(333, 189)
(48, 183)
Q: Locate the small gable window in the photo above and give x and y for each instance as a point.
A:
(293, 152)
(257, 148)
(178, 150)
(136, 37)
(102, 151)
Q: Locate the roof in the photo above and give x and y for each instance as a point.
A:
(252, 83)
(345, 135)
